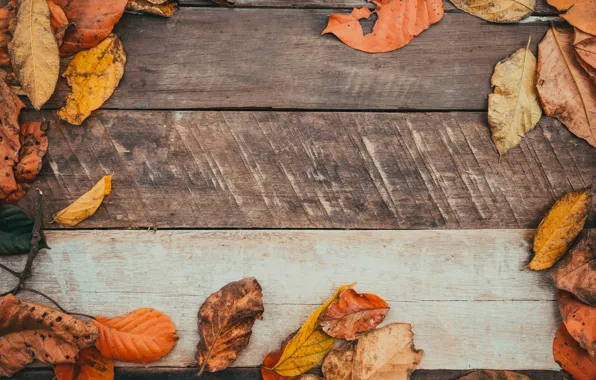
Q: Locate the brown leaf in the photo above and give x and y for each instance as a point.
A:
(565, 89)
(10, 143)
(585, 51)
(58, 21)
(39, 332)
(353, 313)
(580, 321)
(166, 9)
(7, 13)
(225, 323)
(571, 357)
(228, 3)
(503, 11)
(90, 365)
(494, 375)
(582, 15)
(338, 363)
(577, 272)
(310, 377)
(271, 360)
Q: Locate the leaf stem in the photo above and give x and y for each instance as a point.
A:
(56, 303)
(13, 272)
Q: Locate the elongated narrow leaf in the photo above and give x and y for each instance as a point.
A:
(86, 205)
(503, 11)
(16, 231)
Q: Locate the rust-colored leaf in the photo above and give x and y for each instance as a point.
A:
(10, 143)
(141, 336)
(353, 313)
(577, 272)
(338, 363)
(580, 321)
(571, 357)
(92, 22)
(58, 21)
(580, 13)
(225, 323)
(271, 360)
(494, 375)
(7, 13)
(90, 365)
(165, 9)
(399, 21)
(585, 51)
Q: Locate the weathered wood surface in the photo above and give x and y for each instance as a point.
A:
(310, 170)
(276, 58)
(470, 305)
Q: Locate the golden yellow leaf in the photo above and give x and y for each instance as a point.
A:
(86, 205)
(513, 107)
(310, 344)
(34, 51)
(559, 228)
(93, 75)
(502, 11)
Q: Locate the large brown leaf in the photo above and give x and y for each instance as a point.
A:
(580, 13)
(565, 89)
(29, 331)
(585, 51)
(571, 357)
(353, 313)
(580, 321)
(93, 21)
(577, 272)
(10, 143)
(494, 375)
(225, 323)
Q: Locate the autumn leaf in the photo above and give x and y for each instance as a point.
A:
(580, 13)
(494, 375)
(93, 75)
(571, 357)
(58, 21)
(271, 360)
(338, 363)
(34, 52)
(92, 22)
(10, 108)
(225, 323)
(16, 230)
(566, 91)
(503, 11)
(310, 377)
(165, 9)
(7, 13)
(577, 272)
(228, 3)
(585, 51)
(353, 313)
(399, 21)
(90, 365)
(513, 107)
(559, 228)
(580, 321)
(86, 205)
(310, 344)
(141, 336)
(38, 332)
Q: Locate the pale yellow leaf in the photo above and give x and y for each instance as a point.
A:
(93, 75)
(86, 205)
(503, 11)
(34, 52)
(513, 107)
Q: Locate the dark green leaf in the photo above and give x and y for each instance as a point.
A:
(16, 231)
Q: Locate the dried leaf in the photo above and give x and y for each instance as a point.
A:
(310, 345)
(58, 21)
(228, 3)
(503, 11)
(585, 51)
(225, 323)
(580, 321)
(494, 375)
(581, 14)
(90, 365)
(310, 377)
(10, 143)
(566, 91)
(353, 313)
(39, 332)
(571, 357)
(338, 363)
(141, 336)
(577, 272)
(7, 14)
(92, 22)
(513, 107)
(34, 52)
(86, 205)
(559, 228)
(399, 21)
(93, 75)
(165, 9)
(271, 360)
(16, 230)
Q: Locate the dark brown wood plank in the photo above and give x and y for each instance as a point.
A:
(208, 169)
(276, 58)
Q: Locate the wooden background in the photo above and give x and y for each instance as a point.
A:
(244, 143)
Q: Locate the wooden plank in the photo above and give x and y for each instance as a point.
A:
(310, 170)
(276, 58)
(470, 305)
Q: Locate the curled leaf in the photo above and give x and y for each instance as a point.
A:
(577, 272)
(559, 228)
(503, 11)
(90, 365)
(10, 143)
(399, 21)
(141, 336)
(16, 231)
(494, 375)
(165, 9)
(86, 205)
(580, 321)
(571, 357)
(93, 75)
(353, 313)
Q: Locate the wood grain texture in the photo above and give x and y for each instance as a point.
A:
(470, 305)
(276, 58)
(310, 170)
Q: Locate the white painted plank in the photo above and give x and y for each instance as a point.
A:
(470, 305)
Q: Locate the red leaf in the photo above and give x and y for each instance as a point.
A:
(571, 357)
(580, 321)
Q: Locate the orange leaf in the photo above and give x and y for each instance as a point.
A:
(141, 336)
(271, 360)
(399, 21)
(580, 321)
(58, 21)
(582, 15)
(90, 365)
(570, 356)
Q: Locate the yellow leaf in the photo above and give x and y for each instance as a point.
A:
(559, 228)
(513, 107)
(503, 11)
(93, 75)
(34, 52)
(86, 205)
(310, 345)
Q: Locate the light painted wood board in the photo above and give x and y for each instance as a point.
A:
(277, 58)
(470, 305)
(310, 170)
